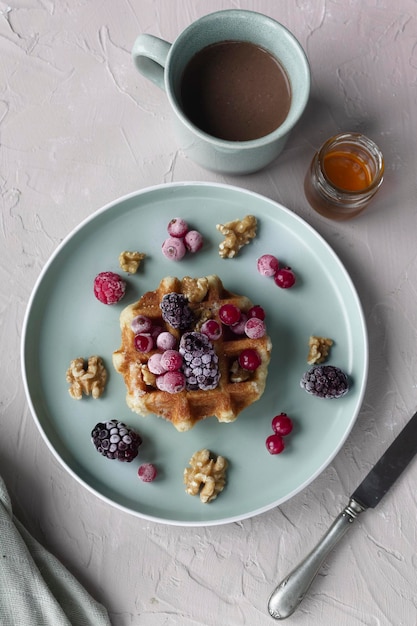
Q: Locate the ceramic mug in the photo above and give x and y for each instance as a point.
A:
(164, 64)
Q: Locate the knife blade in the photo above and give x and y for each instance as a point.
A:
(290, 592)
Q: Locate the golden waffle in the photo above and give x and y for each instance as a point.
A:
(184, 409)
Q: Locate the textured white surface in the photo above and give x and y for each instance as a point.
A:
(79, 128)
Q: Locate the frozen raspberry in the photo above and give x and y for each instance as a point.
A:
(147, 472)
(143, 342)
(173, 248)
(249, 360)
(255, 328)
(154, 364)
(229, 314)
(267, 265)
(325, 381)
(166, 341)
(201, 363)
(141, 324)
(212, 329)
(115, 440)
(274, 444)
(172, 382)
(109, 287)
(171, 360)
(193, 241)
(175, 311)
(177, 227)
(284, 278)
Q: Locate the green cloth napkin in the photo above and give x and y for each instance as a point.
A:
(35, 588)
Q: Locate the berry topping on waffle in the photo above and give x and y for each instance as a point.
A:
(210, 364)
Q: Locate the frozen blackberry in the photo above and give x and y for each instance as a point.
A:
(325, 381)
(175, 311)
(115, 440)
(200, 361)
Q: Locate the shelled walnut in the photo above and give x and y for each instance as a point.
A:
(205, 476)
(91, 380)
(130, 261)
(319, 348)
(237, 233)
(195, 289)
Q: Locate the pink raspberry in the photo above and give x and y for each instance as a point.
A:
(193, 241)
(255, 328)
(109, 287)
(147, 472)
(267, 265)
(177, 227)
(173, 248)
(166, 341)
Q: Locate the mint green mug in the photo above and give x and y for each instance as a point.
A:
(164, 63)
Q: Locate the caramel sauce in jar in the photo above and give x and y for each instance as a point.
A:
(344, 175)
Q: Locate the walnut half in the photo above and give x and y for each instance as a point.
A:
(129, 261)
(88, 381)
(319, 348)
(237, 234)
(205, 476)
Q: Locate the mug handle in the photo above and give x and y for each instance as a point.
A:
(149, 55)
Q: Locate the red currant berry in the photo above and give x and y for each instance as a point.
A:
(257, 311)
(282, 424)
(249, 359)
(143, 342)
(177, 227)
(193, 241)
(141, 324)
(267, 265)
(172, 382)
(229, 314)
(154, 364)
(274, 444)
(284, 278)
(212, 329)
(255, 328)
(239, 328)
(171, 360)
(173, 248)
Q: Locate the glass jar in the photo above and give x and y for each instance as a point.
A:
(344, 175)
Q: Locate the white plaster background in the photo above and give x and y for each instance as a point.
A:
(79, 128)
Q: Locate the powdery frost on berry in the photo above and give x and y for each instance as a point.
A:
(200, 364)
(325, 381)
(175, 311)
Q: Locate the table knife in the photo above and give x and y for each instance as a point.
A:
(291, 591)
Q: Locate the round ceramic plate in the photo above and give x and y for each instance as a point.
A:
(64, 321)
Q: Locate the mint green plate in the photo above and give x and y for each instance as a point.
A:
(64, 321)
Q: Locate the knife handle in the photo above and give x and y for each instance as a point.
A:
(291, 591)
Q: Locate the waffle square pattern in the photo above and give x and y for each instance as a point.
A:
(234, 391)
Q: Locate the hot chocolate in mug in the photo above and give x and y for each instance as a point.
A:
(237, 83)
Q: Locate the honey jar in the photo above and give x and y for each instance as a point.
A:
(344, 175)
